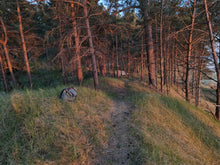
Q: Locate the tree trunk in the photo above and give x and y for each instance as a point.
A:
(108, 65)
(150, 50)
(123, 61)
(103, 66)
(3, 75)
(166, 63)
(24, 45)
(189, 52)
(193, 79)
(161, 49)
(4, 43)
(64, 77)
(9, 65)
(142, 58)
(116, 52)
(113, 63)
(92, 51)
(77, 47)
(172, 72)
(122, 57)
(217, 114)
(63, 70)
(198, 82)
(129, 60)
(175, 67)
(156, 50)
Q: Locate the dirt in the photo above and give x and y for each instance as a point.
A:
(119, 148)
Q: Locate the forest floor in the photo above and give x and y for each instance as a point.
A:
(119, 146)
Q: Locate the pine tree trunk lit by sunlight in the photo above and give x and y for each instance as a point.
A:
(24, 44)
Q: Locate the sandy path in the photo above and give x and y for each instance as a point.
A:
(119, 147)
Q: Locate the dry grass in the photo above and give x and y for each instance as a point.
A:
(170, 131)
(41, 129)
(38, 128)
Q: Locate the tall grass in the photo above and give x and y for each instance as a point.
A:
(171, 131)
(37, 127)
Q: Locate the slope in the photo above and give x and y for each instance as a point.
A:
(123, 123)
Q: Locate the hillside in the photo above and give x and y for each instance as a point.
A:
(122, 123)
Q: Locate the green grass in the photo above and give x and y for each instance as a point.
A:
(38, 128)
(110, 86)
(171, 131)
(209, 94)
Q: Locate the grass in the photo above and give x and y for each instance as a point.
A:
(171, 131)
(209, 94)
(110, 86)
(38, 128)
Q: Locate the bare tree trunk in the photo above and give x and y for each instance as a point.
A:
(77, 47)
(172, 72)
(64, 77)
(24, 45)
(161, 49)
(134, 68)
(116, 52)
(193, 80)
(103, 66)
(189, 52)
(198, 82)
(3, 75)
(92, 51)
(156, 50)
(108, 64)
(217, 114)
(122, 57)
(129, 60)
(63, 70)
(98, 65)
(113, 63)
(175, 68)
(142, 58)
(4, 43)
(117, 66)
(170, 52)
(150, 50)
(166, 64)
(165, 59)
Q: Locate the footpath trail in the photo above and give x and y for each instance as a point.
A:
(119, 147)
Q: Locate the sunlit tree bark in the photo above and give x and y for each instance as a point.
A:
(145, 9)
(4, 43)
(198, 81)
(92, 51)
(142, 58)
(24, 45)
(189, 52)
(3, 74)
(77, 47)
(161, 49)
(217, 68)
